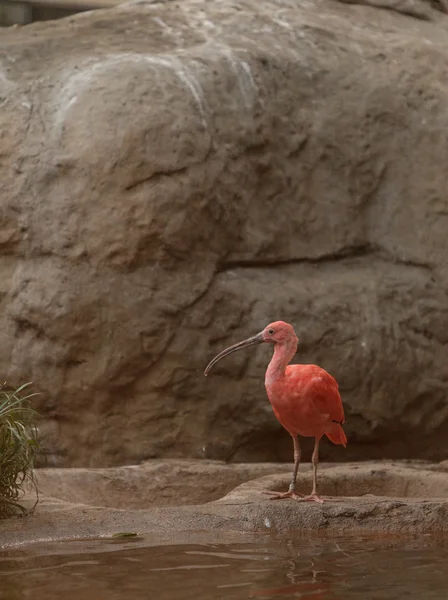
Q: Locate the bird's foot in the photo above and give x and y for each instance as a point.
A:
(313, 497)
(281, 495)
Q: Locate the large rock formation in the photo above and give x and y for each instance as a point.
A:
(175, 176)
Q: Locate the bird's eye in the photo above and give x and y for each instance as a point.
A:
(271, 331)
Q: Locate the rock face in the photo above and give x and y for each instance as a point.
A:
(177, 175)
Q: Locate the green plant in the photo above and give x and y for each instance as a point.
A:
(18, 448)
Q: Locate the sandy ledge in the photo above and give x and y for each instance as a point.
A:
(170, 499)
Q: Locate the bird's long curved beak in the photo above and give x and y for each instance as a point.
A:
(256, 339)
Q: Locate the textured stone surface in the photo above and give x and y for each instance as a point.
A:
(175, 176)
(168, 482)
(377, 497)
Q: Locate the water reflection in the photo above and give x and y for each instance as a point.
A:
(269, 567)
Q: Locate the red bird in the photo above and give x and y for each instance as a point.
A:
(305, 398)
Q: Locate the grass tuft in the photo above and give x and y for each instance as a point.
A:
(18, 449)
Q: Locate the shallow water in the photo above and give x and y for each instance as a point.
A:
(267, 566)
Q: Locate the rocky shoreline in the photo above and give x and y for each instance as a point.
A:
(164, 501)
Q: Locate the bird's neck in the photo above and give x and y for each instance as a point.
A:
(283, 354)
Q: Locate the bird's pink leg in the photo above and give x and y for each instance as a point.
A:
(291, 493)
(315, 460)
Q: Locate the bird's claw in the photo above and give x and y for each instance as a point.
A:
(282, 495)
(313, 498)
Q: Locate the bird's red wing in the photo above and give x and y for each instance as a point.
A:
(325, 394)
(320, 388)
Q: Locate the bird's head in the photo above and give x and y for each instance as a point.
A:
(277, 332)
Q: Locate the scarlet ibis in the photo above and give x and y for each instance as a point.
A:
(305, 398)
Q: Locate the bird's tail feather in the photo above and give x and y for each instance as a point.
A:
(337, 435)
